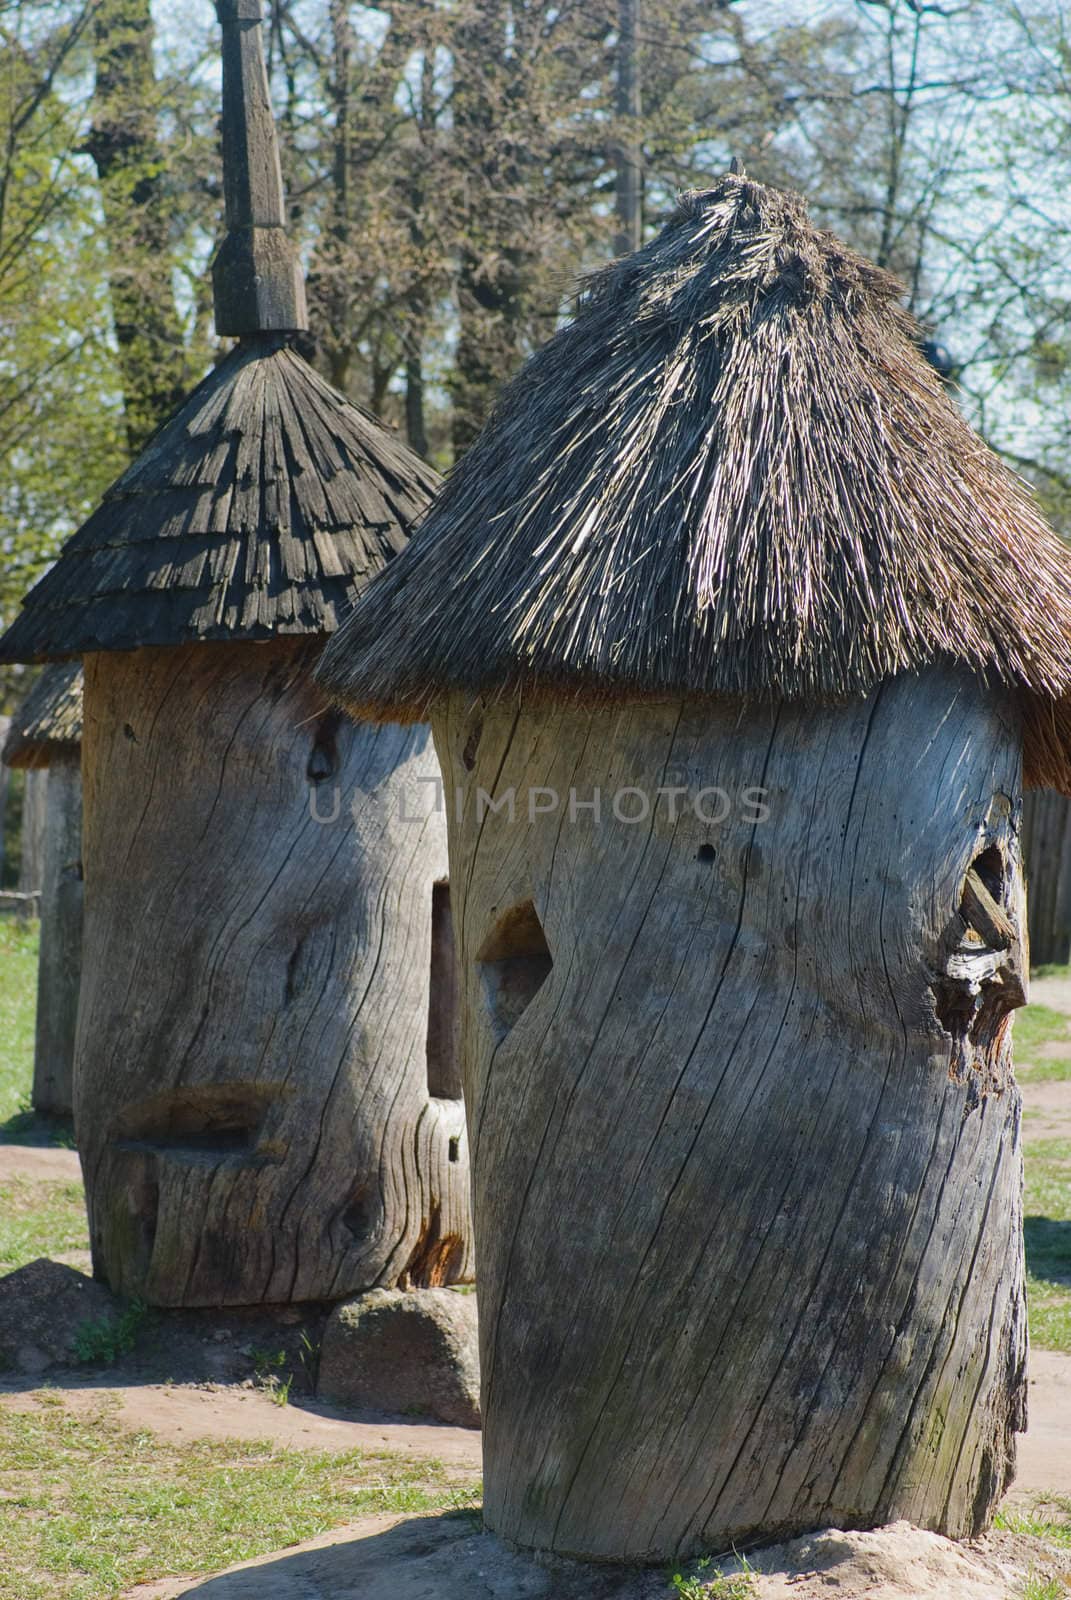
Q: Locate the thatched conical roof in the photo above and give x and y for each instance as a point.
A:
(48, 720)
(733, 473)
(263, 507)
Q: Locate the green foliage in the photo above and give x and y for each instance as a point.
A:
(103, 1340)
(88, 1509)
(695, 1585)
(59, 402)
(267, 1365)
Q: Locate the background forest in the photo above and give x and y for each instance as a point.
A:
(452, 166)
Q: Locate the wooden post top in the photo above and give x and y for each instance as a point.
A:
(256, 279)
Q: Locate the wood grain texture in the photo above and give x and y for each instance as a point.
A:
(256, 279)
(59, 968)
(32, 832)
(1047, 848)
(746, 1158)
(252, 1105)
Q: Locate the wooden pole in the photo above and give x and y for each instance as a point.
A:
(1047, 848)
(256, 280)
(629, 184)
(60, 964)
(745, 1136)
(32, 836)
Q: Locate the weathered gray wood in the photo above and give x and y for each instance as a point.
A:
(32, 833)
(60, 964)
(745, 1136)
(252, 1105)
(256, 278)
(1047, 849)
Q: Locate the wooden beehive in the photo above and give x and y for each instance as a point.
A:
(259, 1114)
(735, 641)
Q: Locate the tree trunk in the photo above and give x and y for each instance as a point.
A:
(60, 966)
(5, 777)
(490, 273)
(125, 147)
(252, 1093)
(32, 836)
(1047, 848)
(629, 177)
(745, 1138)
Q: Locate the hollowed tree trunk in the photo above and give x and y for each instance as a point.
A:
(745, 1138)
(60, 965)
(252, 1088)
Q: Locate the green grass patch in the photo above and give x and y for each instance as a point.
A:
(40, 1217)
(1048, 1243)
(106, 1340)
(18, 1003)
(1046, 1517)
(88, 1509)
(701, 1582)
(1034, 1027)
(19, 1123)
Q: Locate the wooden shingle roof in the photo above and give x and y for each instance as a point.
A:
(263, 507)
(49, 719)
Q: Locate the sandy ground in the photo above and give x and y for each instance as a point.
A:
(448, 1558)
(217, 1411)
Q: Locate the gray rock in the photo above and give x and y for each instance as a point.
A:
(42, 1306)
(404, 1350)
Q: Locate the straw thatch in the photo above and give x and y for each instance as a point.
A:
(263, 507)
(49, 718)
(733, 473)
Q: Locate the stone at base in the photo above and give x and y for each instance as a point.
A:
(410, 1351)
(42, 1306)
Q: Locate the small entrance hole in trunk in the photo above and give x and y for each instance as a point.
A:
(515, 962)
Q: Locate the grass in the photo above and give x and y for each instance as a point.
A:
(19, 1123)
(40, 1217)
(696, 1585)
(88, 1509)
(18, 999)
(1048, 1242)
(1034, 1028)
(107, 1339)
(1048, 1517)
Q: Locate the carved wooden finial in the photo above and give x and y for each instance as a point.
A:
(256, 279)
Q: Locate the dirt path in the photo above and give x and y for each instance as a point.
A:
(183, 1412)
(39, 1162)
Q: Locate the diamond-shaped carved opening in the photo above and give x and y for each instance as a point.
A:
(515, 962)
(444, 1066)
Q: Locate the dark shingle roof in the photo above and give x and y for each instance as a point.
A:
(263, 507)
(48, 720)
